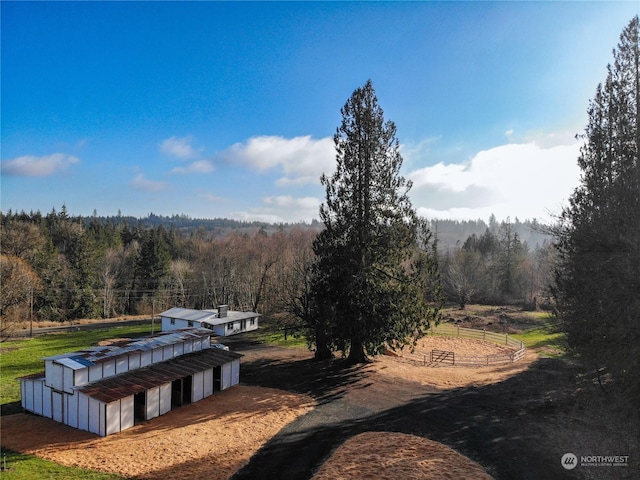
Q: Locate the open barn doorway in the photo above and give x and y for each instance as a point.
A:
(217, 379)
(181, 391)
(139, 407)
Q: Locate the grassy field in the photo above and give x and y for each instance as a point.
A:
(29, 467)
(534, 328)
(271, 334)
(24, 356)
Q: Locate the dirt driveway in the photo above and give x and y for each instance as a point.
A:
(291, 413)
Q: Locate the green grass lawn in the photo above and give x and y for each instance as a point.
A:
(29, 467)
(544, 340)
(24, 356)
(271, 334)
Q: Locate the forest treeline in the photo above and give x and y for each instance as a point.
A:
(61, 267)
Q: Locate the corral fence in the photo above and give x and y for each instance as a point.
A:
(442, 357)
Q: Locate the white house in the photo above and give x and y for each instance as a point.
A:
(107, 389)
(222, 321)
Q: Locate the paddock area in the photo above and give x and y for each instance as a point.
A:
(215, 437)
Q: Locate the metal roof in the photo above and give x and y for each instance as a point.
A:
(129, 383)
(207, 316)
(91, 356)
(190, 314)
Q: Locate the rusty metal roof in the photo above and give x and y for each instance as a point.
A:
(129, 383)
(91, 356)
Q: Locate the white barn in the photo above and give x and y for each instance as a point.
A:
(222, 321)
(108, 389)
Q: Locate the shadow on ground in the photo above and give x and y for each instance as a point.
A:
(507, 427)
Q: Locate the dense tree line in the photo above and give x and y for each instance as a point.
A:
(497, 267)
(59, 267)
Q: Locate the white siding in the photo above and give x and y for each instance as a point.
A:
(208, 383)
(67, 380)
(109, 368)
(145, 358)
(95, 372)
(197, 387)
(26, 390)
(113, 417)
(122, 364)
(235, 372)
(220, 330)
(102, 410)
(188, 346)
(134, 361)
(94, 415)
(226, 376)
(38, 388)
(81, 377)
(126, 413)
(46, 401)
(168, 352)
(83, 412)
(153, 402)
(178, 349)
(165, 398)
(197, 345)
(54, 376)
(72, 410)
(206, 342)
(166, 324)
(157, 355)
(56, 406)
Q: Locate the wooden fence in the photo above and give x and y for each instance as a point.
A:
(440, 357)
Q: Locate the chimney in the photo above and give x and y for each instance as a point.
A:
(222, 311)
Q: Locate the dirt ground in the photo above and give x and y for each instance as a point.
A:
(215, 437)
(295, 418)
(394, 456)
(209, 439)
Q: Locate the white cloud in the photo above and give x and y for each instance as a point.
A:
(200, 166)
(301, 160)
(515, 180)
(32, 166)
(211, 198)
(283, 209)
(141, 183)
(179, 147)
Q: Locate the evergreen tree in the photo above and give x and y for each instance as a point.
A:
(368, 288)
(598, 279)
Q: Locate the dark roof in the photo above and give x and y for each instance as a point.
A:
(126, 384)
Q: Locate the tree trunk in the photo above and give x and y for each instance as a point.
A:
(356, 352)
(323, 352)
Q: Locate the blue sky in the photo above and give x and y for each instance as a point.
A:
(216, 109)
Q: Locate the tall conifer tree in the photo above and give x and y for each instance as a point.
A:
(372, 279)
(598, 280)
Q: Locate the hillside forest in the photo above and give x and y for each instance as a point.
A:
(60, 267)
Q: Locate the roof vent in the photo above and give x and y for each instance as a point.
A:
(222, 311)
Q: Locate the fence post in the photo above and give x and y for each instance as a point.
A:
(506, 339)
(484, 334)
(458, 330)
